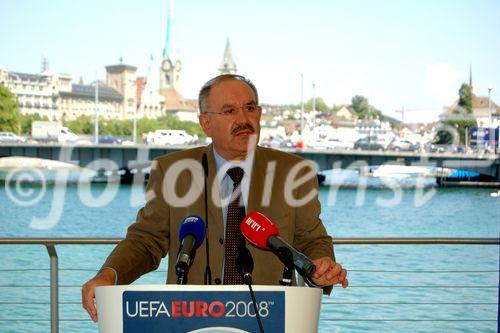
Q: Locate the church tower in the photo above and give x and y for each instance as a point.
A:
(170, 68)
(227, 66)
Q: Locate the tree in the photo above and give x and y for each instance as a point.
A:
(364, 109)
(465, 98)
(27, 120)
(81, 125)
(360, 105)
(118, 127)
(10, 117)
(320, 105)
(459, 120)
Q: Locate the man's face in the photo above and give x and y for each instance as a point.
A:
(232, 134)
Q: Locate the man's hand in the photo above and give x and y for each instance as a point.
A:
(329, 273)
(105, 277)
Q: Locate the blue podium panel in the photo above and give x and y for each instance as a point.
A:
(201, 311)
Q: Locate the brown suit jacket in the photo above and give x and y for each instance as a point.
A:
(155, 233)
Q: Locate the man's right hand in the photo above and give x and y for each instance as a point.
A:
(105, 277)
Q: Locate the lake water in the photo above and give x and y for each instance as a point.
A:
(417, 288)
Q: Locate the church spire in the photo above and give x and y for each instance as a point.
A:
(227, 66)
(170, 66)
(167, 50)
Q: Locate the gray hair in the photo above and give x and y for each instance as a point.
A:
(205, 90)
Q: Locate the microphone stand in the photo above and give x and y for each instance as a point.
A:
(254, 302)
(286, 257)
(181, 276)
(244, 265)
(182, 272)
(208, 271)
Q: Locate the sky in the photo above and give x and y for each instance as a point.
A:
(411, 54)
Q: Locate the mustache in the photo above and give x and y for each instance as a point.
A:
(242, 127)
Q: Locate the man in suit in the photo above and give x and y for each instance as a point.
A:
(281, 186)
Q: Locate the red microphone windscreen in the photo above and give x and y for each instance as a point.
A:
(257, 229)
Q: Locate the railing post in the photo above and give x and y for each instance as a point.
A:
(54, 289)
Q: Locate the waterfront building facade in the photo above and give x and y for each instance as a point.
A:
(36, 93)
(80, 101)
(54, 96)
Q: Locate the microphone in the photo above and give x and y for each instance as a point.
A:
(191, 234)
(244, 264)
(261, 232)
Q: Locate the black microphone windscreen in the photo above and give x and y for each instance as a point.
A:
(244, 261)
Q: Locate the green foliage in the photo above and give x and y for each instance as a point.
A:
(365, 110)
(116, 127)
(465, 98)
(27, 120)
(81, 125)
(320, 105)
(308, 106)
(453, 128)
(459, 120)
(360, 105)
(85, 125)
(10, 117)
(172, 122)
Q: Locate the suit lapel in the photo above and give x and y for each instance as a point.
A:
(214, 204)
(257, 182)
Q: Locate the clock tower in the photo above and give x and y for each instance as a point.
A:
(170, 68)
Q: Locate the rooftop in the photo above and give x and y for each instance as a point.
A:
(88, 91)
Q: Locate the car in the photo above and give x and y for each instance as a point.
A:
(443, 148)
(330, 143)
(172, 137)
(402, 144)
(288, 144)
(368, 144)
(110, 139)
(272, 142)
(11, 137)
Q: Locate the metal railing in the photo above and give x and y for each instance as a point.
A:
(50, 244)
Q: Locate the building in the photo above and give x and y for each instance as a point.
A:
(227, 65)
(123, 96)
(54, 96)
(80, 101)
(484, 110)
(123, 79)
(480, 111)
(347, 113)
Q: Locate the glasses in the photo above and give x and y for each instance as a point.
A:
(250, 109)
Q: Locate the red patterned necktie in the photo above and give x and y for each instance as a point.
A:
(234, 237)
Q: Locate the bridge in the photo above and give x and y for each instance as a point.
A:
(114, 157)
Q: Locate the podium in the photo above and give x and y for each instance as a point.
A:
(203, 309)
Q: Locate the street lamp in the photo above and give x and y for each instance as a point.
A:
(96, 119)
(489, 107)
(489, 118)
(302, 107)
(314, 107)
